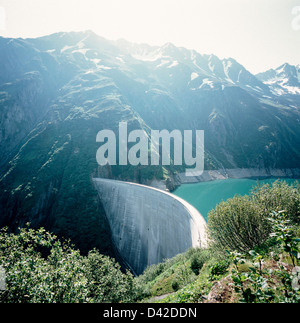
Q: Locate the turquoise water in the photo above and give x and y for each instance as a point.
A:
(205, 196)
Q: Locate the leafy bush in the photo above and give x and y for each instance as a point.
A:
(237, 224)
(105, 281)
(40, 268)
(241, 223)
(175, 285)
(153, 271)
(272, 285)
(218, 269)
(184, 275)
(278, 196)
(198, 259)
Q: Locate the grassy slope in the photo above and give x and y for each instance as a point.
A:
(202, 288)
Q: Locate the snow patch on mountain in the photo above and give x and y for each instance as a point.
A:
(66, 48)
(81, 51)
(207, 82)
(194, 75)
(173, 64)
(227, 64)
(211, 66)
(240, 72)
(120, 59)
(147, 58)
(291, 89)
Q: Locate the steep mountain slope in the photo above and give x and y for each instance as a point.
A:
(29, 79)
(58, 91)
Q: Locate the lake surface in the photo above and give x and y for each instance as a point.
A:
(204, 196)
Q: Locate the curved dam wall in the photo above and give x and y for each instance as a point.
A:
(149, 225)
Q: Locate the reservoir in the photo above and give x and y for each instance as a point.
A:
(204, 196)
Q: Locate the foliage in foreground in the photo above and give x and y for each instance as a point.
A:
(40, 268)
(279, 283)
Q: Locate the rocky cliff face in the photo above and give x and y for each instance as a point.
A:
(58, 91)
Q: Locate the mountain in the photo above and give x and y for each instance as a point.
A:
(58, 91)
(284, 80)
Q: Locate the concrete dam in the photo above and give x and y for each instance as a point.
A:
(149, 225)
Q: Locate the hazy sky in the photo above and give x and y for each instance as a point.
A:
(260, 34)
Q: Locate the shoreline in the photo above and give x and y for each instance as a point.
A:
(238, 173)
(223, 174)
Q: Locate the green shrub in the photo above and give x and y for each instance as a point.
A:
(219, 268)
(40, 268)
(241, 223)
(184, 275)
(105, 281)
(198, 259)
(278, 196)
(237, 224)
(153, 271)
(175, 285)
(278, 284)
